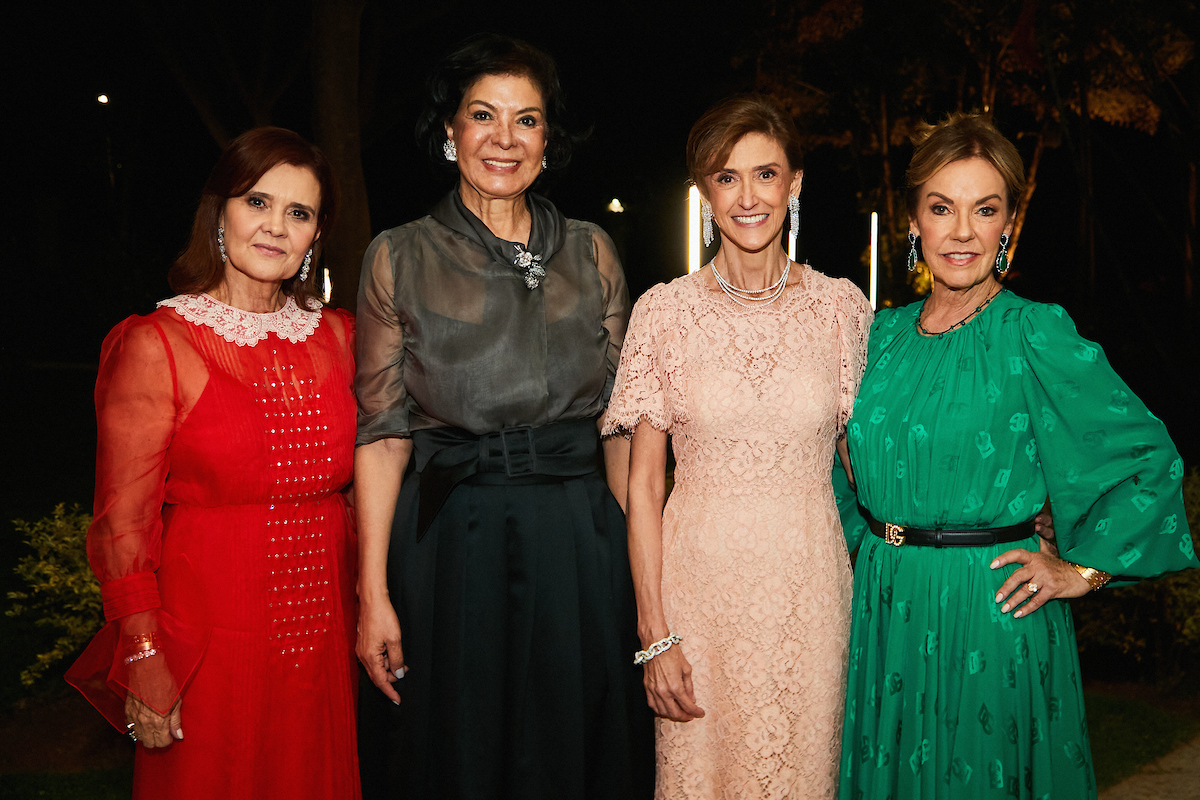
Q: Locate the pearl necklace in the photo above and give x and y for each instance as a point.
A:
(738, 294)
(962, 321)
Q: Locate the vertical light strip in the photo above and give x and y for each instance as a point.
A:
(693, 229)
(875, 260)
(326, 287)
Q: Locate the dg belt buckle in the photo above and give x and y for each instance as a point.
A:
(893, 534)
(520, 453)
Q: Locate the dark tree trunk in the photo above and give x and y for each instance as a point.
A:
(336, 125)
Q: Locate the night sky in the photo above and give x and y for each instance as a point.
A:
(101, 197)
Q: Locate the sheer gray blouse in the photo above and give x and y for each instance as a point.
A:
(449, 334)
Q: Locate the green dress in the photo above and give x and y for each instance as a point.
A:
(946, 696)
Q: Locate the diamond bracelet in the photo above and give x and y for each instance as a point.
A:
(143, 646)
(656, 649)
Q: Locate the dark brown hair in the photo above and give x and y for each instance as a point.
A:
(721, 127)
(957, 137)
(247, 158)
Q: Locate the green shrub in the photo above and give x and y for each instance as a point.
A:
(61, 591)
(1155, 624)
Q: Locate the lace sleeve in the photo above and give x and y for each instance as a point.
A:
(142, 649)
(616, 302)
(639, 392)
(854, 318)
(379, 375)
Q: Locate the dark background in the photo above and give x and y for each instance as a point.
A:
(100, 198)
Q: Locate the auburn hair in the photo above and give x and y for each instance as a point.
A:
(199, 267)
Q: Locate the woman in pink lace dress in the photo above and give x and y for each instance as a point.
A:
(743, 581)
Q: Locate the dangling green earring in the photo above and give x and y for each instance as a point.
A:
(1002, 257)
(912, 251)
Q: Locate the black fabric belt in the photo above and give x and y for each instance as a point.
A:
(446, 457)
(980, 537)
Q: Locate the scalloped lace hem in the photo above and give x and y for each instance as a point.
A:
(246, 328)
(625, 425)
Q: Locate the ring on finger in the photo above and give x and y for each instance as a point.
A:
(1032, 587)
(130, 730)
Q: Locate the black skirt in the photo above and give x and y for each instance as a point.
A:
(519, 628)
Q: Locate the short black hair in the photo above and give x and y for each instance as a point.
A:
(493, 54)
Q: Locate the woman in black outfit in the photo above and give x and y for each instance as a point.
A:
(489, 336)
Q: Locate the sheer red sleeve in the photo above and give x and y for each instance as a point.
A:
(141, 649)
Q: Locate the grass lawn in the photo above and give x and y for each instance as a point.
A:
(107, 784)
(1127, 733)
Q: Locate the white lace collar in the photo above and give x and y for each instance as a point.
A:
(246, 328)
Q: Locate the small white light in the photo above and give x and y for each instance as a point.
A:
(102, 99)
(875, 260)
(326, 287)
(615, 206)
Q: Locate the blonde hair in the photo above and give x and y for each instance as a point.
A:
(955, 138)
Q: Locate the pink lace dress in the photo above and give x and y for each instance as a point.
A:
(756, 578)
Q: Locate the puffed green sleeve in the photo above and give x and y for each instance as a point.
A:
(1113, 475)
(854, 527)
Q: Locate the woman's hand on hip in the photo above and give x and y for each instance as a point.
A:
(1041, 577)
(668, 680)
(378, 646)
(151, 728)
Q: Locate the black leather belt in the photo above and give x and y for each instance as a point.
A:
(552, 453)
(898, 535)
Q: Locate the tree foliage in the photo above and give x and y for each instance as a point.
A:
(859, 77)
(61, 591)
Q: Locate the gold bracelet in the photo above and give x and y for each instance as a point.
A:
(1095, 578)
(141, 645)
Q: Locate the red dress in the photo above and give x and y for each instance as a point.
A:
(225, 549)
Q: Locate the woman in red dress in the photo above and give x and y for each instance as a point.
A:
(222, 540)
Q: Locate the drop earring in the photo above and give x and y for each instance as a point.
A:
(706, 216)
(794, 214)
(221, 244)
(1002, 256)
(304, 267)
(912, 252)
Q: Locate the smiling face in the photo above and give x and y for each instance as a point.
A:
(500, 134)
(749, 194)
(961, 214)
(270, 228)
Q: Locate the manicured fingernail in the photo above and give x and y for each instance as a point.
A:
(396, 702)
(999, 596)
(1019, 613)
(179, 734)
(995, 563)
(1004, 608)
(400, 672)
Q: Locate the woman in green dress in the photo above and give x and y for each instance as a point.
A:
(977, 406)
